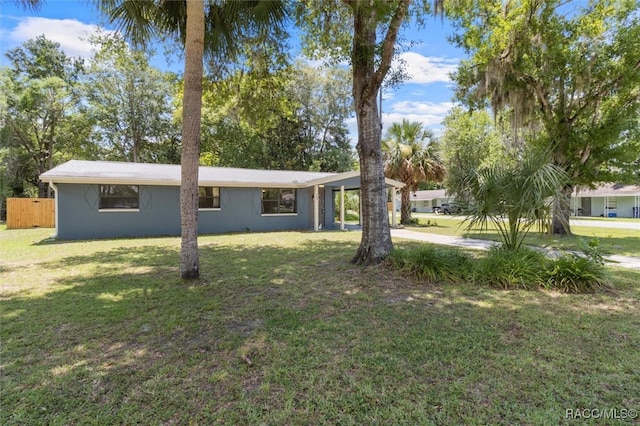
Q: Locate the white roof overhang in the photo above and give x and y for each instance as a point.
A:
(114, 173)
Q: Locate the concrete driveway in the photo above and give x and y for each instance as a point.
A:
(628, 262)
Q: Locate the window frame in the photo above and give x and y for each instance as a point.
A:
(213, 198)
(120, 208)
(279, 201)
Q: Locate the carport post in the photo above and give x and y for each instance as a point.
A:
(342, 207)
(394, 216)
(316, 209)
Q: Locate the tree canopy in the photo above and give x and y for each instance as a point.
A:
(569, 72)
(291, 118)
(130, 103)
(40, 114)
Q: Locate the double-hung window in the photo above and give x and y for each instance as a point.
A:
(278, 201)
(209, 197)
(119, 197)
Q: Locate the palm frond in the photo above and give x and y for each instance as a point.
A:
(228, 23)
(138, 20)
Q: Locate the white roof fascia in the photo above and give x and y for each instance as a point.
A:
(155, 182)
(394, 183)
(226, 184)
(334, 178)
(69, 175)
(109, 181)
(349, 175)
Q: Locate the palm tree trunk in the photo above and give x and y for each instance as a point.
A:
(191, 119)
(405, 210)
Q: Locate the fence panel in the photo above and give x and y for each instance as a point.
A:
(25, 213)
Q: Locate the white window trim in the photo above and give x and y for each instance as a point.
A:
(278, 214)
(210, 209)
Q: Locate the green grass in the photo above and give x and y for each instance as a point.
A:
(613, 241)
(282, 329)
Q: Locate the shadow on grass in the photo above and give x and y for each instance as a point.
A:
(120, 338)
(421, 224)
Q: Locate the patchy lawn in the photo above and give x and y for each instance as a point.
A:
(282, 329)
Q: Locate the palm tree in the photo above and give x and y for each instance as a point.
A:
(513, 196)
(410, 158)
(216, 28)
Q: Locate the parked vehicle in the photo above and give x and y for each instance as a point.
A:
(446, 208)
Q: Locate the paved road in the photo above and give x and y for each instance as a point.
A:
(628, 262)
(607, 224)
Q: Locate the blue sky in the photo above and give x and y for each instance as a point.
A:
(425, 97)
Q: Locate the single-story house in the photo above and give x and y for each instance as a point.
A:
(425, 201)
(608, 200)
(102, 199)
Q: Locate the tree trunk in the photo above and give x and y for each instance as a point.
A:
(42, 186)
(376, 243)
(405, 210)
(376, 236)
(191, 119)
(562, 211)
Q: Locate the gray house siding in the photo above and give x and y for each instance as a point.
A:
(159, 213)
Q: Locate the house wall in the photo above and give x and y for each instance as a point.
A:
(426, 206)
(624, 206)
(597, 206)
(159, 213)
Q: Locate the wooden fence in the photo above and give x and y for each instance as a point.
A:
(25, 213)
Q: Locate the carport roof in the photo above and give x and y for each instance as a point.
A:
(121, 173)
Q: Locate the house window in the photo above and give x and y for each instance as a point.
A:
(119, 197)
(278, 201)
(209, 197)
(612, 203)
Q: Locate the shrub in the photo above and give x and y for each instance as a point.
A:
(509, 269)
(593, 250)
(571, 273)
(432, 263)
(506, 269)
(350, 216)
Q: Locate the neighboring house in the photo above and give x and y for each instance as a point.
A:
(99, 199)
(425, 201)
(609, 200)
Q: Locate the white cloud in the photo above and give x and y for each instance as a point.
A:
(428, 69)
(421, 108)
(70, 33)
(430, 114)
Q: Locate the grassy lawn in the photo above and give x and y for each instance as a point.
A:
(612, 240)
(282, 329)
